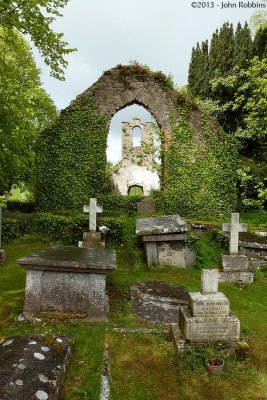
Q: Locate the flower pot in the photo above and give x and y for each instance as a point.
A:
(214, 366)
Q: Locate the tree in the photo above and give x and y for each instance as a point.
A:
(260, 43)
(25, 109)
(34, 17)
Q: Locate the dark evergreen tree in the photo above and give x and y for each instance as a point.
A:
(226, 44)
(260, 43)
(242, 46)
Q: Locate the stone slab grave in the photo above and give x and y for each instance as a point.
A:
(92, 239)
(235, 267)
(208, 317)
(2, 252)
(33, 367)
(165, 240)
(158, 302)
(67, 280)
(254, 246)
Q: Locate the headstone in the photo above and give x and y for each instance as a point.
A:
(208, 317)
(145, 207)
(2, 252)
(165, 240)
(33, 366)
(92, 239)
(68, 281)
(234, 228)
(235, 267)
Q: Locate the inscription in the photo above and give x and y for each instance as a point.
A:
(214, 308)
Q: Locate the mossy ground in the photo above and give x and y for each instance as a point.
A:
(145, 367)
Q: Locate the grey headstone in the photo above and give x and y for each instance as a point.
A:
(209, 281)
(234, 228)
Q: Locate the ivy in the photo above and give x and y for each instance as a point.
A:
(199, 176)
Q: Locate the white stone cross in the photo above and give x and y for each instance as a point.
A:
(209, 281)
(93, 209)
(234, 228)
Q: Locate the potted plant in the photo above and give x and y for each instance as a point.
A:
(214, 366)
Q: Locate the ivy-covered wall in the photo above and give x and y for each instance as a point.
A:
(71, 159)
(201, 168)
(199, 160)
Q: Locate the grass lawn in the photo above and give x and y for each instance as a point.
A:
(144, 367)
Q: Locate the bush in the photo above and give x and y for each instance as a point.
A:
(68, 229)
(126, 204)
(115, 227)
(60, 228)
(10, 230)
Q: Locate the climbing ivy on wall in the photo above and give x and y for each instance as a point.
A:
(199, 159)
(72, 158)
(201, 172)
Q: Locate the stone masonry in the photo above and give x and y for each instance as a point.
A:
(235, 267)
(208, 318)
(136, 167)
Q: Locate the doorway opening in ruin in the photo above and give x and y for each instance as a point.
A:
(133, 151)
(135, 191)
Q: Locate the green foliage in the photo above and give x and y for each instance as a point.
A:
(60, 228)
(35, 18)
(198, 160)
(115, 226)
(72, 160)
(200, 180)
(127, 204)
(25, 109)
(208, 250)
(10, 230)
(252, 185)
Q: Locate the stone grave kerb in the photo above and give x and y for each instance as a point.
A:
(93, 209)
(234, 228)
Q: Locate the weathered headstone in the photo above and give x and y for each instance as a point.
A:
(165, 240)
(67, 280)
(2, 252)
(208, 318)
(234, 228)
(92, 239)
(33, 366)
(235, 267)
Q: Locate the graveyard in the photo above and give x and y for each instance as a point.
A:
(133, 219)
(134, 339)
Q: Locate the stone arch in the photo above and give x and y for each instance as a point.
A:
(124, 86)
(71, 155)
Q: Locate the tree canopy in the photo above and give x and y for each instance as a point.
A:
(34, 17)
(25, 109)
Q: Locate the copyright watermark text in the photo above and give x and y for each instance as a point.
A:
(229, 4)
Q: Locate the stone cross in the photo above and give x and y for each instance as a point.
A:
(209, 281)
(234, 228)
(93, 209)
(0, 227)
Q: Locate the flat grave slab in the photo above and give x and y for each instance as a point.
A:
(161, 225)
(71, 258)
(67, 280)
(158, 302)
(33, 367)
